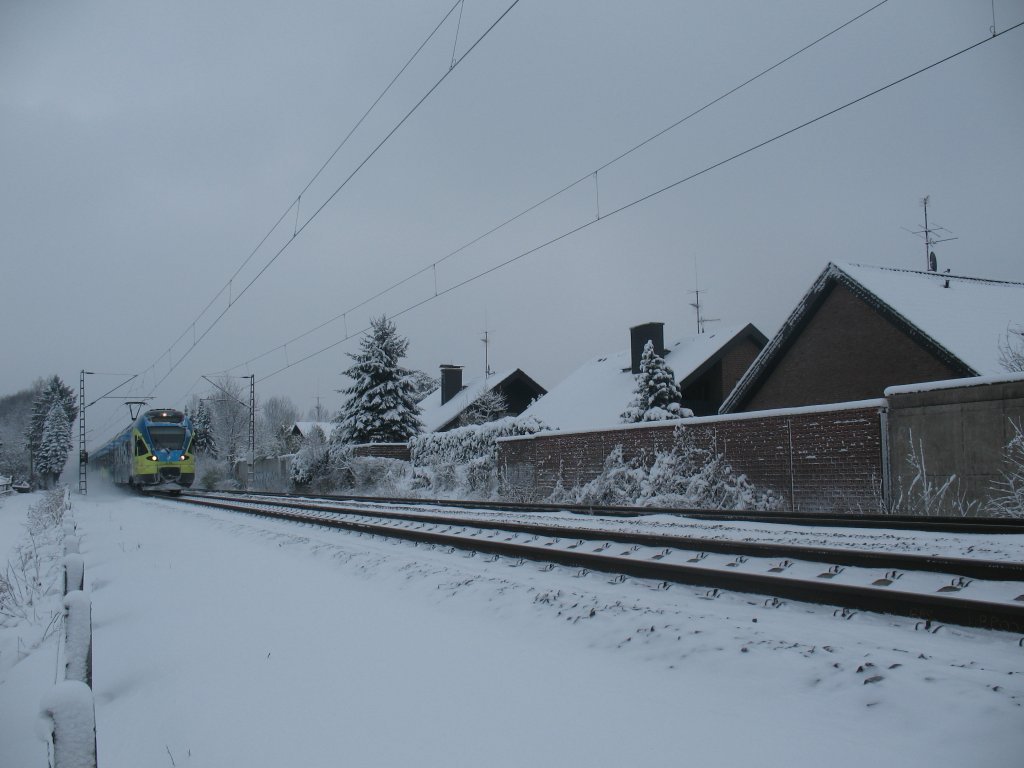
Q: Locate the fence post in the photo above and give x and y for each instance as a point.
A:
(71, 545)
(74, 573)
(78, 637)
(70, 713)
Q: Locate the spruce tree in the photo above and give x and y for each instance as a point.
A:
(657, 395)
(54, 445)
(381, 405)
(51, 391)
(202, 432)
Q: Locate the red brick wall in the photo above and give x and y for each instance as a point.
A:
(383, 450)
(817, 461)
(848, 351)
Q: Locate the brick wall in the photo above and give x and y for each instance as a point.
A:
(815, 459)
(848, 351)
(382, 450)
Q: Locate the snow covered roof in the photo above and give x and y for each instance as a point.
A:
(435, 416)
(596, 393)
(958, 318)
(305, 427)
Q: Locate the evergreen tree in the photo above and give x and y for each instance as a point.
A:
(381, 406)
(54, 445)
(50, 391)
(657, 395)
(202, 433)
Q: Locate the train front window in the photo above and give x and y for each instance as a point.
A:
(168, 438)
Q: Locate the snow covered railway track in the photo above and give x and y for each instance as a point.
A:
(894, 583)
(833, 520)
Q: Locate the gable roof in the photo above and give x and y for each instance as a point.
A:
(436, 416)
(958, 318)
(596, 393)
(303, 428)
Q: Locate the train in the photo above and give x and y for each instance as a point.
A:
(153, 453)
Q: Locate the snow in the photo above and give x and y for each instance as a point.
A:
(596, 393)
(969, 318)
(67, 712)
(434, 415)
(974, 381)
(224, 639)
(78, 636)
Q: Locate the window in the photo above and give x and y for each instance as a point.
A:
(140, 447)
(167, 438)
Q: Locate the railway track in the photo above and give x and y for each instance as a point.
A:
(925, 587)
(845, 520)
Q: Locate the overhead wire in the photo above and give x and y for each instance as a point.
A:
(591, 173)
(173, 364)
(655, 193)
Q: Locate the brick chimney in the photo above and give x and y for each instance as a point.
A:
(639, 335)
(451, 381)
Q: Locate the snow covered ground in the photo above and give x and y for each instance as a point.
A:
(221, 639)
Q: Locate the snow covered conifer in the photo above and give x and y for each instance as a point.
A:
(202, 431)
(381, 405)
(51, 391)
(54, 445)
(657, 395)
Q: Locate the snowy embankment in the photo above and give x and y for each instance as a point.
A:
(222, 639)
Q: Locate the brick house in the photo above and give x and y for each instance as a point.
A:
(706, 368)
(860, 329)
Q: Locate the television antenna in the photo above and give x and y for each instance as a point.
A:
(932, 235)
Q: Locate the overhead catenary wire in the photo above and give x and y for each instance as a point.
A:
(173, 364)
(586, 177)
(651, 195)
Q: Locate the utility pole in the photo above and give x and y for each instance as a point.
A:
(252, 430)
(83, 458)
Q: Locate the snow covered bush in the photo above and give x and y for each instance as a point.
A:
(1008, 492)
(312, 463)
(33, 572)
(463, 460)
(928, 494)
(657, 395)
(689, 475)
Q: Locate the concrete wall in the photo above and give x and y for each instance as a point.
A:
(960, 431)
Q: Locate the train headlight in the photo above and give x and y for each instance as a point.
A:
(183, 457)
(153, 458)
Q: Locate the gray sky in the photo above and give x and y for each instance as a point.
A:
(147, 148)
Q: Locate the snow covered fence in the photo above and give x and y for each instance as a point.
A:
(68, 715)
(74, 574)
(71, 545)
(78, 637)
(6, 485)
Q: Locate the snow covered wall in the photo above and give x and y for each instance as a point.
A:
(816, 458)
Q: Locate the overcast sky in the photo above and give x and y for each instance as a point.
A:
(146, 148)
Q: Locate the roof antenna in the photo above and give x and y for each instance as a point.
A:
(930, 239)
(701, 320)
(486, 339)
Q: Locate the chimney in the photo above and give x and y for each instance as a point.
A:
(639, 335)
(451, 381)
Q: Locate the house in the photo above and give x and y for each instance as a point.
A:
(442, 409)
(706, 367)
(300, 431)
(860, 329)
